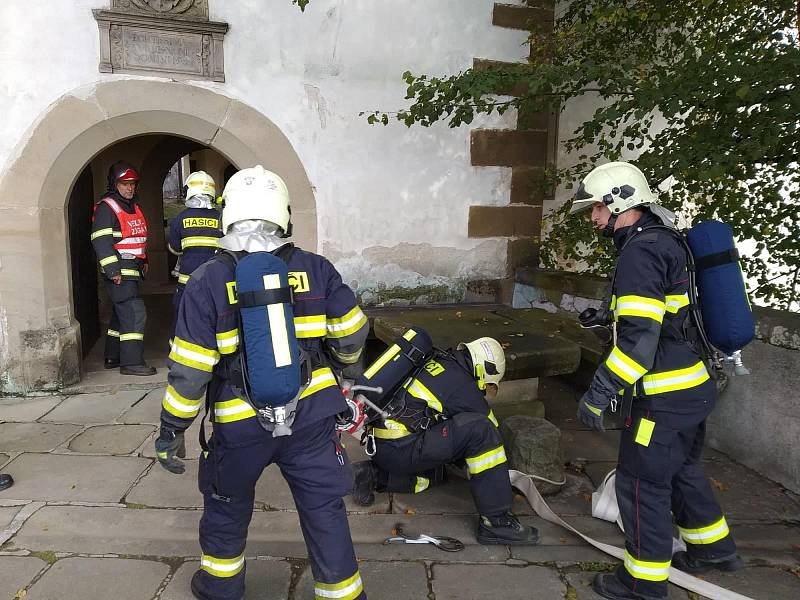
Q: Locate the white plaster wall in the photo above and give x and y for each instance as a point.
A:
(380, 191)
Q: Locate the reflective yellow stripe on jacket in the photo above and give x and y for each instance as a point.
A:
(419, 391)
(228, 341)
(346, 325)
(237, 409)
(624, 366)
(180, 406)
(310, 326)
(192, 355)
(679, 379)
(640, 306)
(199, 241)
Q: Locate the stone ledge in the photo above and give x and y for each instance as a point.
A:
(513, 220)
(530, 350)
(577, 284)
(485, 64)
(508, 148)
(775, 327)
(778, 327)
(522, 251)
(526, 186)
(512, 16)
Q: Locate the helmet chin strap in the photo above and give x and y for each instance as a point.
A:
(608, 230)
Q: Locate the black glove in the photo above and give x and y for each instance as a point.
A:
(169, 445)
(591, 407)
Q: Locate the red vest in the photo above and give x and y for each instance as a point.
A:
(133, 227)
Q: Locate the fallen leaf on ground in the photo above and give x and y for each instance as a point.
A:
(718, 484)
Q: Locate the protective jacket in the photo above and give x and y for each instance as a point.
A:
(650, 305)
(193, 236)
(119, 236)
(330, 327)
(443, 388)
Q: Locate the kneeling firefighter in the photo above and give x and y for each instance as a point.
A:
(194, 233)
(656, 367)
(258, 319)
(438, 417)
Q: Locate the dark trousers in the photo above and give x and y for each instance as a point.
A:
(413, 463)
(125, 335)
(315, 467)
(176, 304)
(658, 477)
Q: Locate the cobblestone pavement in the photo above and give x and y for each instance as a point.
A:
(92, 516)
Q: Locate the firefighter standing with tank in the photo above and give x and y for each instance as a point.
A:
(204, 367)
(656, 376)
(441, 416)
(194, 233)
(119, 237)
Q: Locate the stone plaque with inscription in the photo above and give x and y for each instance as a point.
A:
(172, 37)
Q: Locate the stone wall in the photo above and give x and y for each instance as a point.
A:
(757, 419)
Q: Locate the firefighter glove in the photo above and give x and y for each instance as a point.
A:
(592, 405)
(169, 446)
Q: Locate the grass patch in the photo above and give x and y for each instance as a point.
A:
(47, 556)
(596, 567)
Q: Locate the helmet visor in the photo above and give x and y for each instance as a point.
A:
(583, 200)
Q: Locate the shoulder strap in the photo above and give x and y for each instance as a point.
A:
(285, 252)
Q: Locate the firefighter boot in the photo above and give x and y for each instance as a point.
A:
(364, 479)
(143, 370)
(609, 586)
(506, 530)
(695, 566)
(198, 589)
(6, 481)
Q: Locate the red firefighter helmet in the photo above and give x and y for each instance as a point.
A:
(121, 171)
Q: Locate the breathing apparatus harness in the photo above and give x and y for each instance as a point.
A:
(691, 332)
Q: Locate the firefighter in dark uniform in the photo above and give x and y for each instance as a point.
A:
(194, 233)
(444, 418)
(332, 329)
(119, 237)
(656, 374)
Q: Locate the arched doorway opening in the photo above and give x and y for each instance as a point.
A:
(160, 158)
(40, 335)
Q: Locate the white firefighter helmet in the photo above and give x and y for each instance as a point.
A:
(619, 185)
(488, 360)
(256, 193)
(200, 183)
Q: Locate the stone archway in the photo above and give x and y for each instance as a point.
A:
(39, 337)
